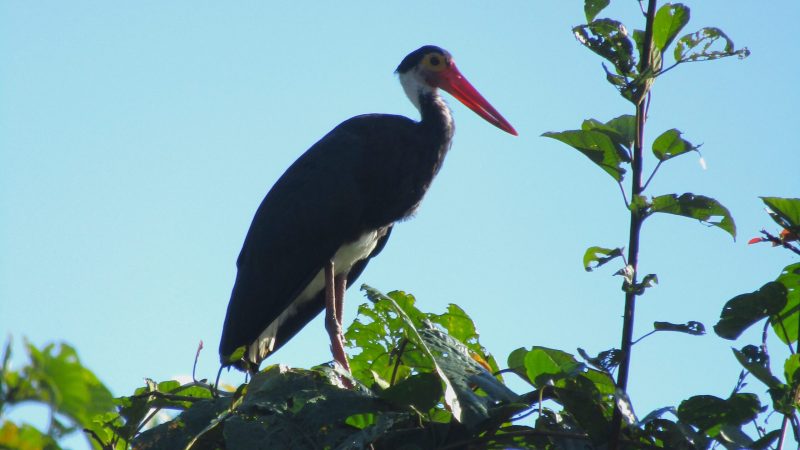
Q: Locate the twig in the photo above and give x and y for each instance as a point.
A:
(780, 242)
(400, 351)
(624, 195)
(650, 178)
(97, 439)
(196, 357)
(648, 334)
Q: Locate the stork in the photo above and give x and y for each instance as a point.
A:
(334, 209)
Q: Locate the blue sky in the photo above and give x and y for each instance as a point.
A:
(137, 140)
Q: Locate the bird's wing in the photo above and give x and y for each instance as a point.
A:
(312, 210)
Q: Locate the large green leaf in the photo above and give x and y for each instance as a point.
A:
(621, 130)
(593, 7)
(744, 310)
(698, 207)
(786, 323)
(545, 365)
(787, 210)
(702, 46)
(670, 144)
(670, 20)
(596, 145)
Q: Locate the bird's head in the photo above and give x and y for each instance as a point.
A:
(430, 67)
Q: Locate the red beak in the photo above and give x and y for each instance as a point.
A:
(451, 80)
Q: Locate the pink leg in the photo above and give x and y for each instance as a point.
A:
(333, 316)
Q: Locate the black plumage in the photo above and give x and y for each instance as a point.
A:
(358, 180)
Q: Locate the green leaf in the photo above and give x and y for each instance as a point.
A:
(698, 207)
(756, 361)
(609, 39)
(787, 209)
(670, 20)
(422, 392)
(606, 361)
(691, 327)
(699, 46)
(593, 7)
(596, 145)
(599, 256)
(621, 130)
(545, 365)
(710, 413)
(744, 310)
(670, 144)
(790, 369)
(786, 323)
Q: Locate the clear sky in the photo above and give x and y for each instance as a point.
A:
(137, 140)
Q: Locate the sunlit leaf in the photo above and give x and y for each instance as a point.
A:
(599, 256)
(593, 7)
(744, 310)
(787, 209)
(596, 145)
(670, 144)
(698, 207)
(669, 21)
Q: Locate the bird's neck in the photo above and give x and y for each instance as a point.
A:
(436, 117)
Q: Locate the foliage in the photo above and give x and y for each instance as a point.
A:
(55, 378)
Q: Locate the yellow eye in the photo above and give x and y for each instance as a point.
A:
(435, 62)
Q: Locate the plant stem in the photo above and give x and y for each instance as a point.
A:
(637, 217)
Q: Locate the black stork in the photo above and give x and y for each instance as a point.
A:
(334, 208)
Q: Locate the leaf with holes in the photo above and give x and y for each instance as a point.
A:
(609, 39)
(704, 209)
(701, 46)
(599, 256)
(756, 361)
(692, 327)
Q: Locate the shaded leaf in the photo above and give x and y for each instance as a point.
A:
(691, 327)
(746, 309)
(756, 361)
(708, 412)
(596, 145)
(669, 21)
(421, 391)
(698, 207)
(670, 144)
(599, 256)
(609, 39)
(593, 7)
(790, 369)
(700, 46)
(607, 360)
(621, 130)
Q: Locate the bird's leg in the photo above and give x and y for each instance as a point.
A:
(333, 316)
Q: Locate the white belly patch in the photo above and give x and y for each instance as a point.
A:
(344, 259)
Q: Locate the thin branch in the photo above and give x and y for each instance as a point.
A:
(624, 195)
(779, 242)
(650, 178)
(648, 334)
(196, 357)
